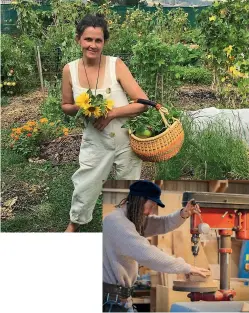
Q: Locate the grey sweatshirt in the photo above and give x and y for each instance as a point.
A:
(124, 247)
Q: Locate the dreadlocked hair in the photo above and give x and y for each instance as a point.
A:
(135, 209)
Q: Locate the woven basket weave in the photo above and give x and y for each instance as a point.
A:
(163, 146)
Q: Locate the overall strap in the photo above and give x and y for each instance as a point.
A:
(112, 65)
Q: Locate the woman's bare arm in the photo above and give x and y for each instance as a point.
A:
(67, 105)
(132, 88)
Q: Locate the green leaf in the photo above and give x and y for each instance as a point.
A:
(80, 112)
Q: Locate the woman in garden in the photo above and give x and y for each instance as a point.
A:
(104, 142)
(125, 245)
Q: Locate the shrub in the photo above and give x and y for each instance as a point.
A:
(18, 55)
(193, 75)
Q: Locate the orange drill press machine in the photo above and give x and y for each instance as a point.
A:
(228, 214)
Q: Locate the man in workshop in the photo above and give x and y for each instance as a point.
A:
(125, 244)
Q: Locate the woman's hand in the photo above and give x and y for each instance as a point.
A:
(190, 209)
(102, 121)
(198, 271)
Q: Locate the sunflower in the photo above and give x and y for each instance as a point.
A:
(83, 101)
(93, 111)
(109, 104)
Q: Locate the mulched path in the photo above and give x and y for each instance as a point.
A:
(22, 109)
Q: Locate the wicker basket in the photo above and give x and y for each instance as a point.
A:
(163, 146)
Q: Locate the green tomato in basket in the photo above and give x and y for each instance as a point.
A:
(144, 134)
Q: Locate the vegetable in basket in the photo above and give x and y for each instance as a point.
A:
(150, 123)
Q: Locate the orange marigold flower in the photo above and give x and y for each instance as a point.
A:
(65, 129)
(43, 120)
(12, 135)
(66, 133)
(31, 123)
(16, 138)
(29, 135)
(28, 128)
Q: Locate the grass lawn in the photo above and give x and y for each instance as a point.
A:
(43, 196)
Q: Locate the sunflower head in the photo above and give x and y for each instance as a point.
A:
(93, 111)
(109, 104)
(83, 101)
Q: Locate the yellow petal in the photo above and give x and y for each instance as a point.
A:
(212, 18)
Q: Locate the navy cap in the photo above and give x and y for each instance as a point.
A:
(147, 189)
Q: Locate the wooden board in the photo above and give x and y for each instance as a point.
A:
(165, 297)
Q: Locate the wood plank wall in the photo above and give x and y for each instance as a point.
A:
(114, 191)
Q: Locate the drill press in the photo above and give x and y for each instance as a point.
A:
(226, 213)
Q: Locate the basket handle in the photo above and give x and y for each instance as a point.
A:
(162, 110)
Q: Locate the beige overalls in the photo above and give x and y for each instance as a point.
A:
(101, 149)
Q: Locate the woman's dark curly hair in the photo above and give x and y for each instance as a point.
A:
(90, 20)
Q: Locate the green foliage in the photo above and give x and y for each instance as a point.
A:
(184, 55)
(5, 100)
(29, 18)
(57, 45)
(51, 106)
(213, 153)
(176, 23)
(193, 75)
(191, 36)
(18, 54)
(149, 61)
(151, 120)
(224, 28)
(152, 61)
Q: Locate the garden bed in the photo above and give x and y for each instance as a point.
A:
(195, 97)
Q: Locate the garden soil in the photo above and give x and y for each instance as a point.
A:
(194, 97)
(22, 109)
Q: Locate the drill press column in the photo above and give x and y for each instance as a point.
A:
(225, 259)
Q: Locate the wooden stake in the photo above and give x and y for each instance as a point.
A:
(40, 68)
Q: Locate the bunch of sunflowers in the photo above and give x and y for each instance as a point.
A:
(93, 106)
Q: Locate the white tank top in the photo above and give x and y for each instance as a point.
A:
(111, 89)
